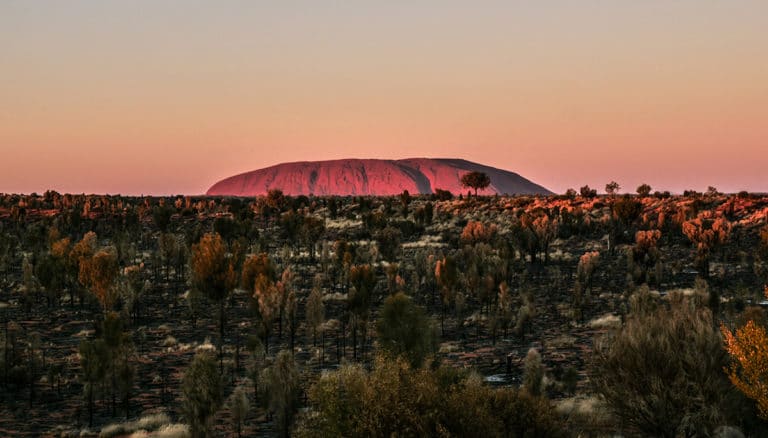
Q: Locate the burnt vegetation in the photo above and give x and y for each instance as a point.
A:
(411, 315)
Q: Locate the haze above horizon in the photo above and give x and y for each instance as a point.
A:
(168, 97)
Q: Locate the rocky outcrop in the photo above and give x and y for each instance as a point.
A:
(371, 177)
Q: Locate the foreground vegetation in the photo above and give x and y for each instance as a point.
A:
(568, 315)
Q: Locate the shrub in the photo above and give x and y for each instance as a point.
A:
(662, 373)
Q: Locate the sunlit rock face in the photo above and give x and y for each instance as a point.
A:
(371, 177)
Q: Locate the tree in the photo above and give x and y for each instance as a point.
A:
(587, 192)
(645, 255)
(442, 195)
(78, 254)
(447, 276)
(168, 249)
(612, 188)
(533, 372)
(525, 315)
(98, 273)
(291, 311)
(93, 363)
(119, 350)
(363, 281)
(213, 273)
(584, 273)
(195, 302)
(475, 180)
(661, 373)
(253, 266)
(132, 288)
(405, 330)
(476, 231)
(388, 241)
(748, 370)
(284, 290)
(643, 190)
(312, 230)
(238, 407)
(707, 234)
(258, 357)
(161, 215)
(315, 308)
(268, 300)
(282, 387)
(545, 228)
(394, 399)
(51, 272)
(504, 300)
(202, 393)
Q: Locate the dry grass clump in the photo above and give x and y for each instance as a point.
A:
(206, 345)
(342, 223)
(587, 414)
(168, 431)
(169, 341)
(140, 427)
(608, 320)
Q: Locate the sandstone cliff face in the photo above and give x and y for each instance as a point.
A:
(370, 177)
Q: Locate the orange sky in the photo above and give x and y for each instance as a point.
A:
(165, 97)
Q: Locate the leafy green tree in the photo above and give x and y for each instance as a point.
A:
(51, 272)
(168, 249)
(202, 394)
(612, 188)
(161, 215)
(132, 287)
(238, 407)
(388, 241)
(587, 192)
(405, 330)
(282, 388)
(662, 372)
(394, 399)
(447, 276)
(94, 364)
(119, 350)
(476, 180)
(363, 281)
(257, 362)
(643, 190)
(312, 229)
(291, 312)
(195, 306)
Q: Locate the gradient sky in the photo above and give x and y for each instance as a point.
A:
(167, 97)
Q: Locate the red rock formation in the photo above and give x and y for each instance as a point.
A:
(370, 177)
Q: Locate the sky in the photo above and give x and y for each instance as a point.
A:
(168, 97)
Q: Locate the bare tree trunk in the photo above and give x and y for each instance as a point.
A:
(90, 404)
(221, 336)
